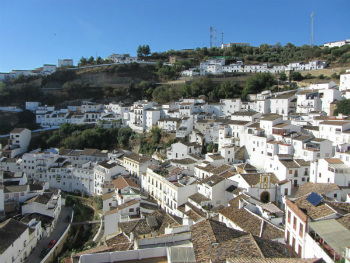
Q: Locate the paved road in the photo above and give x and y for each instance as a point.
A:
(61, 226)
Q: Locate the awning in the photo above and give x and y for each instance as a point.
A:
(333, 233)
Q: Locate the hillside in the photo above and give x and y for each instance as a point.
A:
(109, 82)
(160, 82)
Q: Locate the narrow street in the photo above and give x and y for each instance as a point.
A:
(61, 226)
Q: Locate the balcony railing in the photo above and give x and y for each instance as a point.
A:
(282, 132)
(311, 147)
(324, 246)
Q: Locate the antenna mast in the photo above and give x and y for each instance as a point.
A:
(312, 29)
(215, 39)
(211, 36)
(222, 38)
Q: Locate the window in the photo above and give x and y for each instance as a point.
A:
(295, 223)
(131, 209)
(301, 229)
(288, 215)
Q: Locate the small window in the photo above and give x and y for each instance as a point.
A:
(288, 215)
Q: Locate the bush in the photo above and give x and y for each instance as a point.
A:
(335, 76)
(296, 76)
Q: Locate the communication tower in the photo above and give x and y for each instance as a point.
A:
(215, 39)
(312, 29)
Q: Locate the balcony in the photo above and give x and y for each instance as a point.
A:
(323, 246)
(343, 150)
(306, 105)
(311, 147)
(283, 132)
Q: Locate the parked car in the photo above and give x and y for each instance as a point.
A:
(51, 244)
(43, 252)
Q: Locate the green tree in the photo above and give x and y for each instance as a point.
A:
(99, 60)
(156, 134)
(143, 50)
(26, 116)
(296, 76)
(283, 76)
(5, 127)
(186, 88)
(161, 94)
(123, 136)
(83, 61)
(166, 72)
(212, 147)
(257, 83)
(91, 60)
(54, 140)
(139, 51)
(146, 50)
(343, 107)
(335, 76)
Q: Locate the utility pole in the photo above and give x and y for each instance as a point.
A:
(312, 29)
(211, 36)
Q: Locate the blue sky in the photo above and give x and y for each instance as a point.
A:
(38, 32)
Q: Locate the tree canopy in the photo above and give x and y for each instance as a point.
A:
(257, 83)
(343, 107)
(143, 50)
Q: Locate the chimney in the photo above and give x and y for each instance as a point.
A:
(241, 204)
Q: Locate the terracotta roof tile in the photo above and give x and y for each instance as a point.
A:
(345, 221)
(10, 231)
(198, 198)
(214, 242)
(314, 212)
(333, 161)
(320, 188)
(122, 206)
(212, 180)
(122, 182)
(251, 223)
